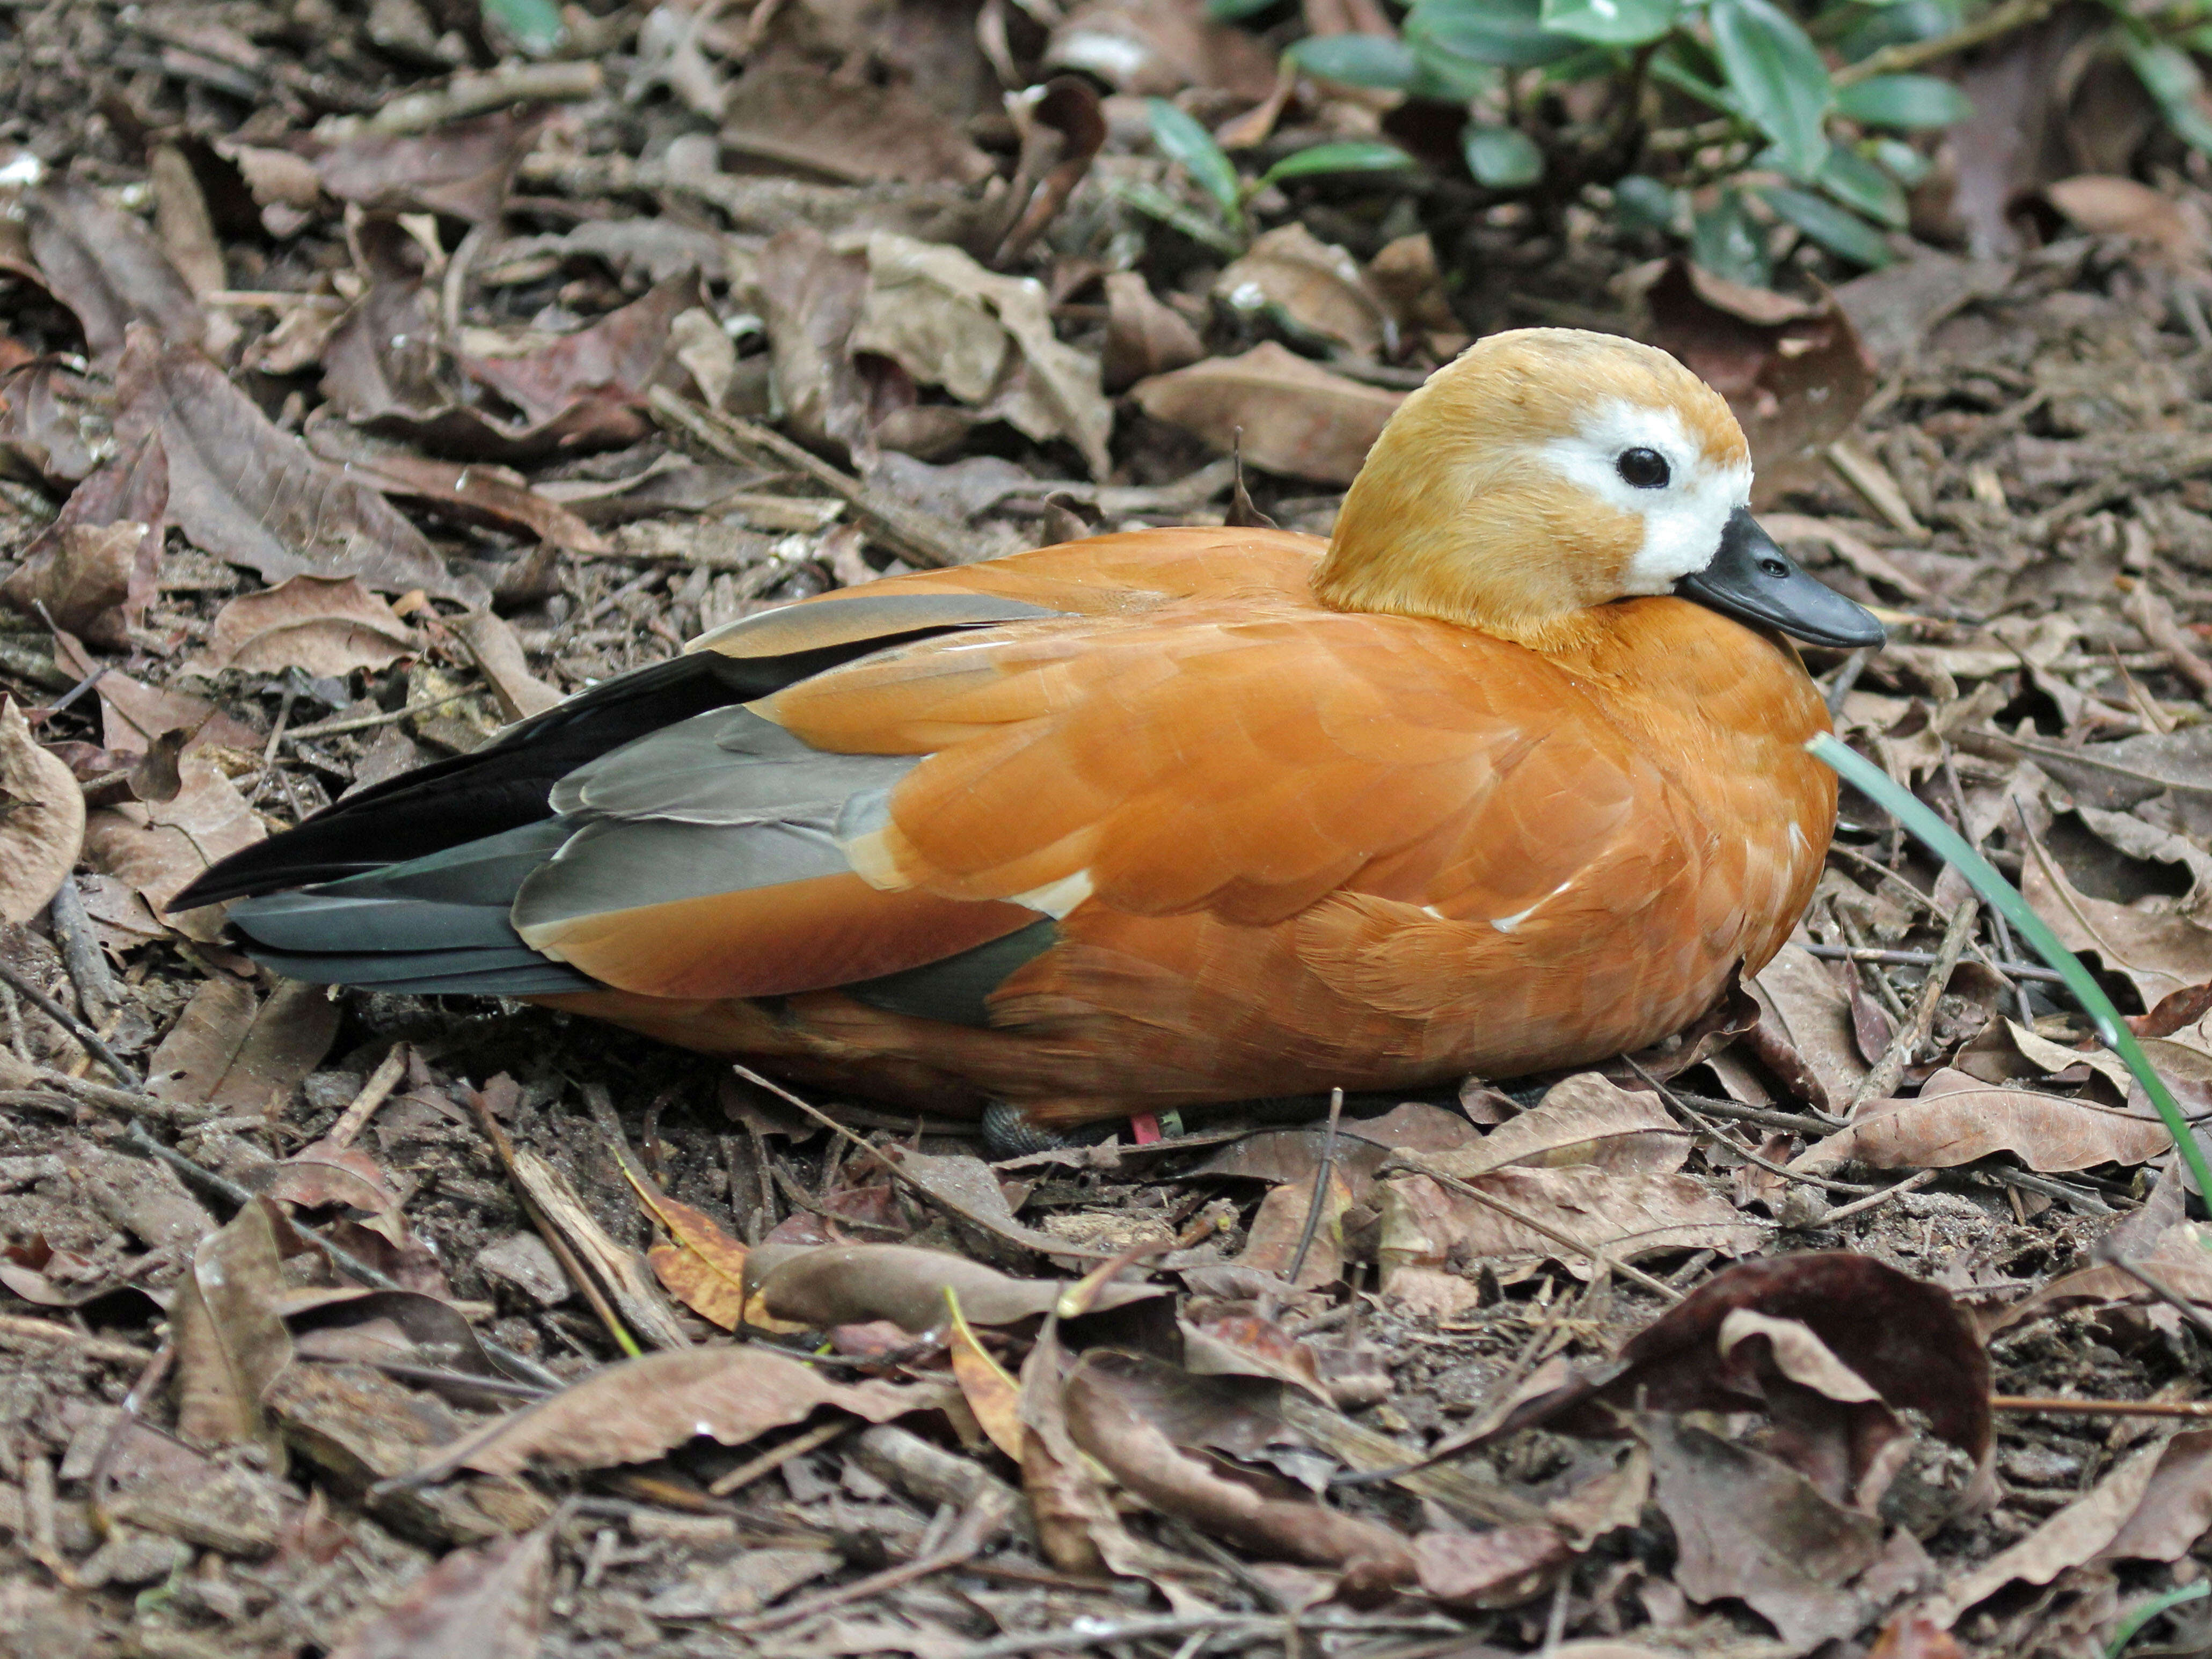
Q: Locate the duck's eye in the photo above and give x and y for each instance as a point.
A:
(1643, 469)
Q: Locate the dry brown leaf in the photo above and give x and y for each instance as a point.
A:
(1793, 370)
(1625, 1214)
(461, 170)
(985, 338)
(231, 1340)
(850, 131)
(1958, 1119)
(2105, 205)
(705, 1267)
(2156, 943)
(810, 295)
(46, 416)
(966, 1187)
(1143, 336)
(135, 717)
(481, 493)
(1501, 1568)
(320, 625)
(41, 818)
(1296, 418)
(105, 266)
(637, 1409)
(1582, 1120)
(1749, 1528)
(487, 1602)
(161, 848)
(93, 570)
(248, 493)
(994, 1397)
(228, 1052)
(1801, 1002)
(1106, 1419)
(613, 362)
(825, 1284)
(1317, 286)
(1156, 48)
(499, 654)
(1271, 1245)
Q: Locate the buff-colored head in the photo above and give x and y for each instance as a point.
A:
(1546, 472)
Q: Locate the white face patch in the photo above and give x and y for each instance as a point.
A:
(1683, 519)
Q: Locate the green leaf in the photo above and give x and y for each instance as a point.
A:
(1358, 60)
(1946, 844)
(1858, 183)
(1612, 23)
(2130, 1627)
(1725, 241)
(2171, 76)
(1449, 78)
(1352, 156)
(1590, 64)
(1154, 203)
(1183, 140)
(1225, 12)
(1901, 162)
(1831, 227)
(1640, 202)
(1502, 158)
(1507, 33)
(1665, 69)
(1775, 70)
(1910, 101)
(534, 26)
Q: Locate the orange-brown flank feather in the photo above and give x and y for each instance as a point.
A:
(1296, 847)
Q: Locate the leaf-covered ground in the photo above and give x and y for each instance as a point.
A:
(362, 389)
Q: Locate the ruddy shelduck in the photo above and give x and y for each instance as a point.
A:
(1508, 774)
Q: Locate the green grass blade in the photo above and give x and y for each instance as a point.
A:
(1949, 846)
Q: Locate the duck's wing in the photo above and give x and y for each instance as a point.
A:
(932, 799)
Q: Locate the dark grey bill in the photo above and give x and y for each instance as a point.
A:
(1753, 581)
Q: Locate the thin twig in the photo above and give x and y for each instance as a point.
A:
(94, 1347)
(2164, 1292)
(1912, 54)
(503, 1149)
(363, 722)
(1713, 1131)
(1598, 1258)
(1924, 959)
(83, 1034)
(2060, 1407)
(776, 1456)
(1875, 1201)
(381, 1082)
(81, 952)
(1906, 1042)
(1320, 1186)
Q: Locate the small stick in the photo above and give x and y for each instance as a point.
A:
(381, 1082)
(1598, 1258)
(85, 1036)
(363, 722)
(1875, 1201)
(1744, 1152)
(775, 1457)
(45, 1330)
(1998, 930)
(1320, 1186)
(2058, 1405)
(503, 1149)
(81, 952)
(1906, 1042)
(2159, 1288)
(1924, 959)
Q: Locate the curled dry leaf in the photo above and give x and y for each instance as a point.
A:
(2105, 205)
(1958, 1119)
(1143, 336)
(248, 493)
(93, 570)
(852, 131)
(825, 1284)
(1582, 1120)
(1104, 1418)
(481, 493)
(2156, 943)
(320, 625)
(47, 416)
(704, 1268)
(158, 848)
(1296, 418)
(1155, 48)
(231, 1339)
(488, 1602)
(1501, 1568)
(463, 170)
(106, 267)
(633, 1411)
(613, 362)
(985, 338)
(1793, 370)
(1317, 287)
(228, 1052)
(41, 819)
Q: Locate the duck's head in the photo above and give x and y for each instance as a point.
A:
(1550, 471)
